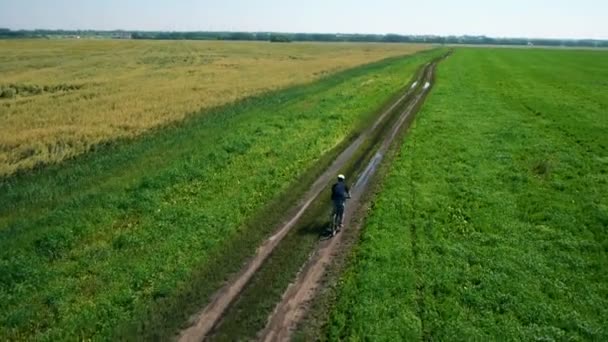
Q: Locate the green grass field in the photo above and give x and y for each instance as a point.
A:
(492, 222)
(130, 239)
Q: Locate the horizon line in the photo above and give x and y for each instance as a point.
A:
(304, 32)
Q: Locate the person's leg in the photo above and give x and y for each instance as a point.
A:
(338, 214)
(335, 215)
(341, 214)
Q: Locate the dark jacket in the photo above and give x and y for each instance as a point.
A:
(339, 192)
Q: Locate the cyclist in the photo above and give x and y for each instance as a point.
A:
(339, 193)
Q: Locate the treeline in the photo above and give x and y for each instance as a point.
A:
(49, 34)
(301, 37)
(377, 38)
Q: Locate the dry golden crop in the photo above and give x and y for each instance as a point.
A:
(59, 98)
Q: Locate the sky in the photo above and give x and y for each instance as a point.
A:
(506, 18)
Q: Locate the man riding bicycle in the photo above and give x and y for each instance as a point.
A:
(339, 193)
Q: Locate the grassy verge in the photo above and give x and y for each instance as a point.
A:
(142, 231)
(491, 223)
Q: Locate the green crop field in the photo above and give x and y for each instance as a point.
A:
(133, 237)
(492, 223)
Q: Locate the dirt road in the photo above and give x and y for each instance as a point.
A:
(295, 300)
(288, 310)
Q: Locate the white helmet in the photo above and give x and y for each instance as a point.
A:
(341, 177)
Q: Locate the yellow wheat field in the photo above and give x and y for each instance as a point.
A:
(59, 98)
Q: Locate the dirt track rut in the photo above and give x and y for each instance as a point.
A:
(290, 308)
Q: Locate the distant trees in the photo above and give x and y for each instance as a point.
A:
(302, 37)
(394, 38)
(279, 38)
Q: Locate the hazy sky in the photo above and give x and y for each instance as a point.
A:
(505, 18)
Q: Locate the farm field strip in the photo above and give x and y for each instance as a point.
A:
(491, 223)
(145, 238)
(209, 317)
(59, 99)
